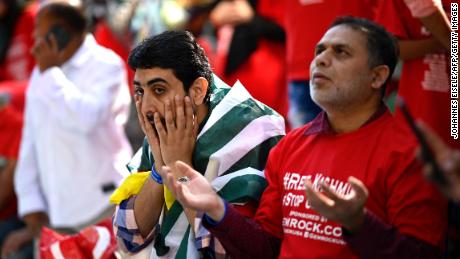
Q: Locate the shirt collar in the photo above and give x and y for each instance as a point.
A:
(83, 53)
(321, 125)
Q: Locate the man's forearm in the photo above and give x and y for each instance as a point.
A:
(243, 237)
(148, 206)
(438, 24)
(411, 49)
(6, 178)
(433, 18)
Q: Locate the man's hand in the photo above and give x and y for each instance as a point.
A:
(15, 240)
(448, 160)
(232, 13)
(196, 192)
(35, 221)
(177, 141)
(46, 53)
(145, 121)
(347, 211)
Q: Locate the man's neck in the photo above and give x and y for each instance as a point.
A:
(345, 121)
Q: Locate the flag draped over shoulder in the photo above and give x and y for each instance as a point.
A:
(231, 151)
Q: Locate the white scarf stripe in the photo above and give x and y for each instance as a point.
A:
(234, 97)
(221, 181)
(256, 132)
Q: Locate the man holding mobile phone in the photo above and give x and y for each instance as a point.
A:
(73, 148)
(55, 43)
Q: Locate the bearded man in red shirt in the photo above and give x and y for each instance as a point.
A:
(347, 184)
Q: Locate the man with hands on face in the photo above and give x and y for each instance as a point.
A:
(347, 184)
(188, 114)
(73, 147)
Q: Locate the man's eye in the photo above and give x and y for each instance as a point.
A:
(341, 52)
(138, 92)
(158, 90)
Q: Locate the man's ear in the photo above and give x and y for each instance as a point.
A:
(197, 91)
(379, 76)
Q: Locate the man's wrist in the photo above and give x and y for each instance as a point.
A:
(35, 221)
(217, 211)
(156, 176)
(356, 222)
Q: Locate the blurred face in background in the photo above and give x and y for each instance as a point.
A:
(42, 26)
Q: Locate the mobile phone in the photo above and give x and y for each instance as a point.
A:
(5, 99)
(108, 187)
(427, 155)
(61, 35)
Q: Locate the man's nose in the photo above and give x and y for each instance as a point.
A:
(149, 103)
(323, 59)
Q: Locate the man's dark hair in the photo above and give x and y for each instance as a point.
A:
(382, 46)
(71, 17)
(176, 50)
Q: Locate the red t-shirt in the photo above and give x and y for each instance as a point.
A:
(306, 21)
(381, 154)
(19, 61)
(10, 132)
(11, 119)
(424, 82)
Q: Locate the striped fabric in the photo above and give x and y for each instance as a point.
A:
(231, 149)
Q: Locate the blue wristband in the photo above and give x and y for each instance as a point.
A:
(155, 176)
(212, 222)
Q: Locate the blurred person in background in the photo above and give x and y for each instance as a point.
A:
(16, 20)
(250, 48)
(73, 150)
(124, 24)
(15, 238)
(433, 17)
(16, 64)
(423, 32)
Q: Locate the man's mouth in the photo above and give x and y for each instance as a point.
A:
(319, 78)
(318, 75)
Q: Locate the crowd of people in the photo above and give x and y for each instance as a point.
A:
(260, 129)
